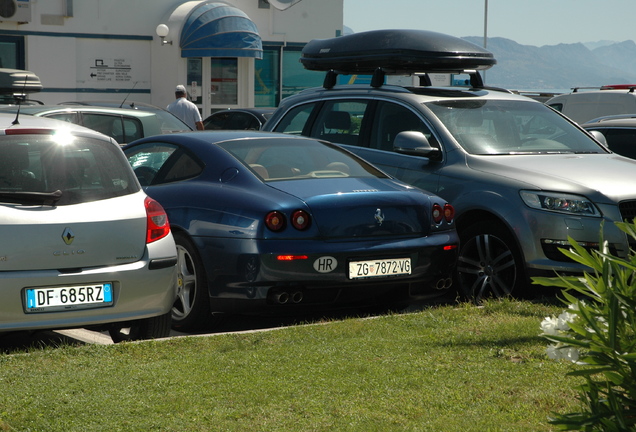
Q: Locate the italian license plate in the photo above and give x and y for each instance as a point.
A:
(380, 267)
(68, 297)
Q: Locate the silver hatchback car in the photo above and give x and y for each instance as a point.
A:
(522, 177)
(82, 244)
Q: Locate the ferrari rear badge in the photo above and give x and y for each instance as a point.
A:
(379, 216)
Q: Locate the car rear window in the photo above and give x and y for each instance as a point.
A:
(294, 159)
(81, 169)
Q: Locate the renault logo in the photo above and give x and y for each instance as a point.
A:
(68, 236)
(379, 216)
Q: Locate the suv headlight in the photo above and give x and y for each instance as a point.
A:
(560, 202)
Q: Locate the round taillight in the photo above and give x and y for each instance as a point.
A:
(300, 219)
(437, 213)
(275, 221)
(449, 212)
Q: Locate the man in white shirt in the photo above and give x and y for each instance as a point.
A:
(185, 110)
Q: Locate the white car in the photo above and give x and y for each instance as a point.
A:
(82, 244)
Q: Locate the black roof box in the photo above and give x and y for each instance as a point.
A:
(19, 81)
(395, 51)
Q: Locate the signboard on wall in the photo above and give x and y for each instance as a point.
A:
(112, 64)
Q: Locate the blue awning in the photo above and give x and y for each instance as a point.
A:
(220, 30)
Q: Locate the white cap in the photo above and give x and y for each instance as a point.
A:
(180, 89)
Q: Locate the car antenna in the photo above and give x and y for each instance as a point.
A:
(124, 101)
(19, 99)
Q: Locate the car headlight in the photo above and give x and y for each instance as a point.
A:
(560, 202)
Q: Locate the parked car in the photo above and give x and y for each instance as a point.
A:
(268, 223)
(238, 119)
(585, 105)
(618, 133)
(82, 244)
(122, 124)
(522, 177)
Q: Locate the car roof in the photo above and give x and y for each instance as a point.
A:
(32, 123)
(422, 94)
(207, 137)
(125, 104)
(249, 110)
(41, 109)
(620, 120)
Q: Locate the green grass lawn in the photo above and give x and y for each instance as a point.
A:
(446, 368)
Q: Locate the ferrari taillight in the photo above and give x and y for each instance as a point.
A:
(439, 213)
(300, 219)
(275, 221)
(449, 212)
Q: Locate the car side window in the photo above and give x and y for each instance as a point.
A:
(132, 129)
(391, 119)
(147, 159)
(107, 124)
(557, 106)
(340, 121)
(70, 117)
(621, 141)
(296, 119)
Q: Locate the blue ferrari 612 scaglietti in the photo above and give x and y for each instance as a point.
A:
(267, 222)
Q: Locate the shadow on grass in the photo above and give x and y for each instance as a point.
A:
(27, 341)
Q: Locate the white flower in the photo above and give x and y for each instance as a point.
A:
(549, 326)
(552, 352)
(558, 352)
(564, 319)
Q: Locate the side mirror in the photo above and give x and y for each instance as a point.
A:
(414, 143)
(598, 136)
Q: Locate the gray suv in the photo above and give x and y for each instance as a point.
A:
(522, 177)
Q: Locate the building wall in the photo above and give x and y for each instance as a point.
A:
(108, 49)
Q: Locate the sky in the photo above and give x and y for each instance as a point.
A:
(527, 22)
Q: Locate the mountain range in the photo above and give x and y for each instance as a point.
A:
(559, 67)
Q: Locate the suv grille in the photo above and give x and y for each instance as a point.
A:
(628, 210)
(628, 213)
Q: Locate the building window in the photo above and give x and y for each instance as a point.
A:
(12, 52)
(270, 71)
(266, 76)
(295, 77)
(195, 80)
(224, 81)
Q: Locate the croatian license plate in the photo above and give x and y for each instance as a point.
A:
(380, 267)
(69, 297)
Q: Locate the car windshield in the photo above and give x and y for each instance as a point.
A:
(55, 170)
(504, 127)
(297, 159)
(169, 123)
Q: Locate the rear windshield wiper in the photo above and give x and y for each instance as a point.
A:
(19, 197)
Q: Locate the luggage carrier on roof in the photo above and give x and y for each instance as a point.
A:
(396, 52)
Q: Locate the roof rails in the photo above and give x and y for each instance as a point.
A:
(377, 78)
(629, 87)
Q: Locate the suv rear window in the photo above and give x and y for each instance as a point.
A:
(82, 169)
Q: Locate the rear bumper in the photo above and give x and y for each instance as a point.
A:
(241, 282)
(142, 289)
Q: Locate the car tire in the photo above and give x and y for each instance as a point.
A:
(191, 309)
(149, 328)
(489, 263)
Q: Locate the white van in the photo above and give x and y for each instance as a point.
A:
(582, 106)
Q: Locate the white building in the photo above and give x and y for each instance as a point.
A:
(231, 53)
